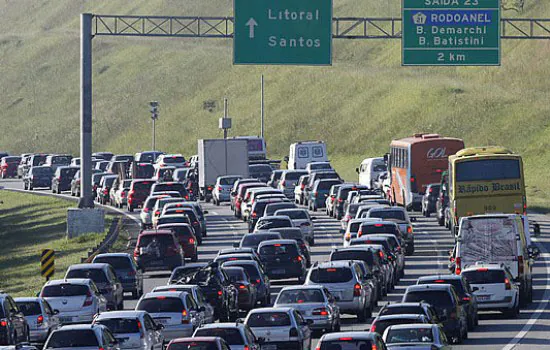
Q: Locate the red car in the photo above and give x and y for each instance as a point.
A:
(138, 193)
(8, 166)
(185, 236)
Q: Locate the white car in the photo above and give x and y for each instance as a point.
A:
(222, 188)
(146, 214)
(133, 329)
(198, 297)
(77, 299)
(176, 311)
(300, 218)
(83, 337)
(283, 327)
(175, 160)
(41, 317)
(494, 288)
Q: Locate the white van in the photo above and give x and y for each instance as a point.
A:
(304, 152)
(496, 239)
(369, 170)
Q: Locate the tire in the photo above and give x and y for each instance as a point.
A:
(362, 315)
(302, 279)
(195, 258)
(314, 207)
(514, 312)
(457, 339)
(130, 208)
(312, 242)
(31, 188)
(135, 294)
(120, 305)
(337, 327)
(471, 323)
(440, 221)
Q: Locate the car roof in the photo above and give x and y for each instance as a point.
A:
(240, 262)
(273, 217)
(407, 304)
(121, 314)
(167, 294)
(80, 327)
(85, 281)
(303, 286)
(190, 265)
(28, 299)
(354, 335)
(337, 263)
(271, 309)
(194, 339)
(413, 325)
(436, 277)
(277, 241)
(91, 266)
(222, 325)
(400, 316)
(428, 287)
(123, 255)
(352, 248)
(155, 232)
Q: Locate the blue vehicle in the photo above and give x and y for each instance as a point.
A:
(319, 193)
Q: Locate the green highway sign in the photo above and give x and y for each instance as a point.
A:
(295, 32)
(451, 32)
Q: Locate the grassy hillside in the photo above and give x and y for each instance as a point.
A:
(357, 106)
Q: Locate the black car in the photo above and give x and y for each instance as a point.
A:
(253, 240)
(261, 172)
(320, 175)
(38, 176)
(275, 177)
(282, 259)
(441, 205)
(296, 234)
(63, 177)
(258, 277)
(258, 210)
(104, 188)
(180, 274)
(342, 195)
(14, 328)
(247, 291)
(171, 186)
(218, 290)
(429, 199)
(273, 207)
(419, 308)
(465, 294)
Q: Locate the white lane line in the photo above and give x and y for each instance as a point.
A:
(541, 307)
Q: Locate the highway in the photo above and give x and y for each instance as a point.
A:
(530, 329)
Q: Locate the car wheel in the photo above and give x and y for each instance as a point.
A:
(130, 208)
(312, 242)
(195, 258)
(471, 323)
(337, 327)
(440, 221)
(457, 339)
(30, 187)
(302, 279)
(135, 294)
(362, 315)
(120, 305)
(314, 207)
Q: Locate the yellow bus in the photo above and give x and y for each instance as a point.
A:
(485, 180)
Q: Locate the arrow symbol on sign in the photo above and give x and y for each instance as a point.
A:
(251, 24)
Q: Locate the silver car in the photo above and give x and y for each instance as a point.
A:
(237, 335)
(77, 300)
(176, 311)
(416, 336)
(300, 218)
(345, 281)
(283, 327)
(223, 187)
(41, 318)
(315, 303)
(133, 329)
(82, 337)
(198, 296)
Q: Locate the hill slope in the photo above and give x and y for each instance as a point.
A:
(357, 106)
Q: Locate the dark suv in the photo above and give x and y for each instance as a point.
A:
(445, 301)
(429, 199)
(465, 294)
(138, 193)
(342, 195)
(158, 249)
(282, 259)
(14, 328)
(38, 176)
(62, 178)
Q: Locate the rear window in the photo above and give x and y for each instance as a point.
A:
(160, 304)
(353, 255)
(73, 339)
(388, 214)
(484, 277)
(300, 296)
(354, 226)
(291, 234)
(228, 181)
(121, 325)
(278, 249)
(293, 176)
(454, 282)
(169, 187)
(269, 319)
(61, 160)
(69, 172)
(326, 185)
(96, 275)
(193, 345)
(378, 228)
(42, 171)
(401, 310)
(381, 325)
(434, 297)
(346, 344)
(29, 308)
(185, 272)
(142, 186)
(273, 223)
(12, 159)
(64, 290)
(293, 214)
(251, 271)
(331, 275)
(109, 181)
(416, 335)
(232, 336)
(117, 262)
(173, 159)
(253, 240)
(260, 169)
(164, 240)
(181, 219)
(37, 160)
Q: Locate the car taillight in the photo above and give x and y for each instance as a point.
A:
(373, 327)
(340, 200)
(122, 194)
(254, 214)
(184, 319)
(357, 290)
(293, 332)
(88, 301)
(298, 258)
(136, 253)
(209, 188)
(302, 186)
(219, 188)
(258, 281)
(320, 312)
(520, 265)
(466, 299)
(347, 218)
(220, 293)
(145, 210)
(191, 241)
(157, 213)
(399, 248)
(458, 268)
(59, 178)
(507, 284)
(141, 334)
(105, 191)
(242, 286)
(246, 347)
(40, 319)
(187, 196)
(359, 233)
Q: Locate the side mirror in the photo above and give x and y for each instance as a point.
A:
(202, 309)
(159, 327)
(286, 159)
(205, 212)
(475, 289)
(235, 245)
(413, 219)
(357, 170)
(313, 218)
(56, 312)
(309, 322)
(261, 340)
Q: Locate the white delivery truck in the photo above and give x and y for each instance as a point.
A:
(304, 152)
(218, 157)
(369, 170)
(497, 239)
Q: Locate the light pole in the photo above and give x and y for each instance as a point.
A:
(154, 116)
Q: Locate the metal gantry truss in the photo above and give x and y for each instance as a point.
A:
(343, 27)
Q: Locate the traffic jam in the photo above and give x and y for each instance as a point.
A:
(273, 289)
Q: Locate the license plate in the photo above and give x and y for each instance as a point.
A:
(483, 297)
(156, 262)
(278, 272)
(65, 319)
(161, 320)
(269, 347)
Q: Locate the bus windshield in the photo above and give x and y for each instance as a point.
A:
(488, 170)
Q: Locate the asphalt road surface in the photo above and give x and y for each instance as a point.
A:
(432, 243)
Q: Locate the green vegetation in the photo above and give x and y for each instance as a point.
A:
(28, 224)
(357, 106)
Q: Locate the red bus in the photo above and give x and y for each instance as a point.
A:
(415, 162)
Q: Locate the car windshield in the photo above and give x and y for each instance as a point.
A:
(293, 214)
(331, 275)
(292, 175)
(326, 185)
(253, 240)
(72, 339)
(378, 228)
(266, 224)
(388, 214)
(142, 186)
(96, 275)
(347, 344)
(121, 325)
(232, 336)
(299, 296)
(173, 159)
(353, 255)
(42, 171)
(483, 276)
(412, 335)
(268, 319)
(29, 308)
(278, 249)
(457, 283)
(437, 298)
(228, 181)
(193, 345)
(117, 262)
(160, 304)
(251, 270)
(401, 310)
(64, 290)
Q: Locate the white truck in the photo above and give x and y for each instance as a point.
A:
(304, 152)
(218, 157)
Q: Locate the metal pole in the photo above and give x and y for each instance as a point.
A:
(225, 116)
(154, 134)
(86, 200)
(262, 109)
